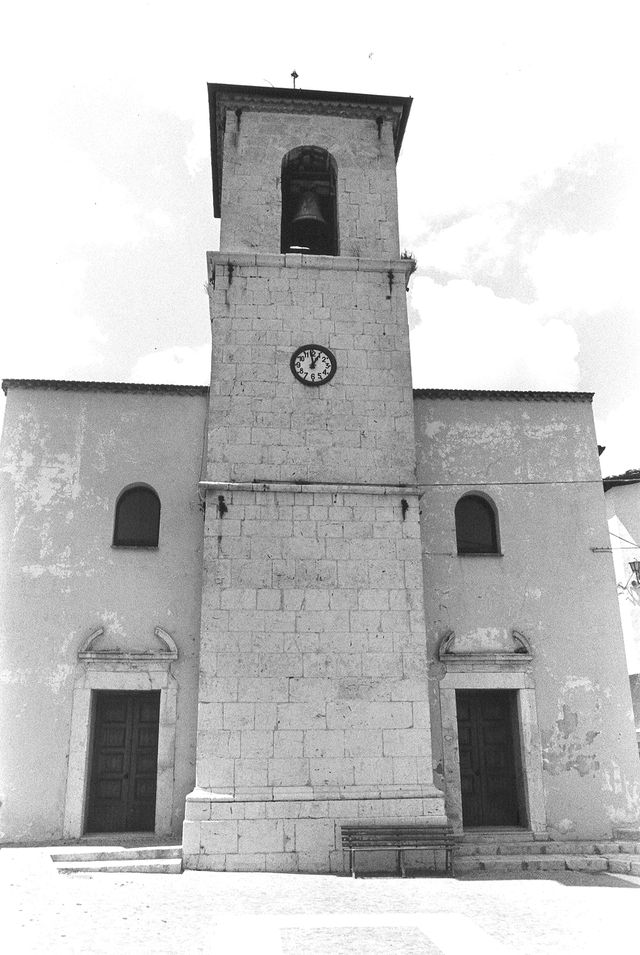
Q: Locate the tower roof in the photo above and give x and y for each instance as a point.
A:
(271, 99)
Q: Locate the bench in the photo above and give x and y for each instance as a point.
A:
(411, 836)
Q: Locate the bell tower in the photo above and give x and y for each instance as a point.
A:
(313, 703)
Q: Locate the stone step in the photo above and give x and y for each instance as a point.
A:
(116, 853)
(162, 866)
(620, 863)
(534, 847)
(502, 834)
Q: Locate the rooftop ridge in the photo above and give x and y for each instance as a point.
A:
(463, 394)
(467, 394)
(115, 386)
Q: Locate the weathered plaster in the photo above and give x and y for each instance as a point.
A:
(537, 461)
(66, 454)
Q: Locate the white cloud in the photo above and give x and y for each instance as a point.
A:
(47, 333)
(57, 225)
(179, 365)
(584, 273)
(620, 434)
(470, 338)
(475, 241)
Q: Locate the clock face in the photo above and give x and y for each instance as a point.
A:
(313, 364)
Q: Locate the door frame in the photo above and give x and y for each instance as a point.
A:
(120, 670)
(527, 740)
(131, 701)
(510, 805)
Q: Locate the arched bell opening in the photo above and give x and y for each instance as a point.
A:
(309, 211)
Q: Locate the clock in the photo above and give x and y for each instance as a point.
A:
(313, 364)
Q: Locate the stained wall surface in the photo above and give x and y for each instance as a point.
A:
(66, 455)
(553, 581)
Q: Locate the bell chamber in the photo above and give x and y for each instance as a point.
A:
(309, 215)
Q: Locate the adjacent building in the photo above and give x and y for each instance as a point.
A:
(623, 511)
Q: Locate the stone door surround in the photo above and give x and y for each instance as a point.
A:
(486, 668)
(116, 669)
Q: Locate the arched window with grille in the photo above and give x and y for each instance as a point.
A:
(137, 518)
(476, 525)
(309, 210)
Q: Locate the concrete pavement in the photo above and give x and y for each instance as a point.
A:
(279, 914)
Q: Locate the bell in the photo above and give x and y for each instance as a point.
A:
(308, 210)
(309, 231)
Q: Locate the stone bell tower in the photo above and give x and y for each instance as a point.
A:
(313, 706)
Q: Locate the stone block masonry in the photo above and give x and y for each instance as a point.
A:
(313, 690)
(366, 186)
(313, 706)
(266, 426)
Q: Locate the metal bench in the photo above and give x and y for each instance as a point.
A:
(411, 836)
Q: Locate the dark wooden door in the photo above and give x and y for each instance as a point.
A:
(122, 791)
(487, 758)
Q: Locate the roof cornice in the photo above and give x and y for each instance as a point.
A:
(271, 99)
(478, 395)
(113, 386)
(448, 393)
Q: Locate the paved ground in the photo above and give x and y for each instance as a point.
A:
(238, 913)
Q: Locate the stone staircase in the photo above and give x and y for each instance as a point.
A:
(512, 851)
(166, 860)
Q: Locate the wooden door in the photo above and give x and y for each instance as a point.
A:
(487, 758)
(122, 791)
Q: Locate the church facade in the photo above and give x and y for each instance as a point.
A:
(307, 596)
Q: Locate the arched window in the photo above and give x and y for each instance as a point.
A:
(137, 522)
(309, 214)
(476, 526)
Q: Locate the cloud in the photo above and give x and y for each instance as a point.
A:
(57, 226)
(471, 243)
(179, 365)
(619, 433)
(582, 273)
(470, 338)
(48, 334)
(564, 237)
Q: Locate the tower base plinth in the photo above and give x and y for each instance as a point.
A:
(244, 834)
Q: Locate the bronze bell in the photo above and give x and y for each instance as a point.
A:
(309, 231)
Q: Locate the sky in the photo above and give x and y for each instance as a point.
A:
(519, 184)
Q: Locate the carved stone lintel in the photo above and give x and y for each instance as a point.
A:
(168, 653)
(517, 659)
(446, 644)
(522, 645)
(86, 646)
(168, 641)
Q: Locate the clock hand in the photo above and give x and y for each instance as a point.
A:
(313, 360)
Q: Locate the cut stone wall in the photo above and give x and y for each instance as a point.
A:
(366, 180)
(263, 424)
(313, 691)
(295, 835)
